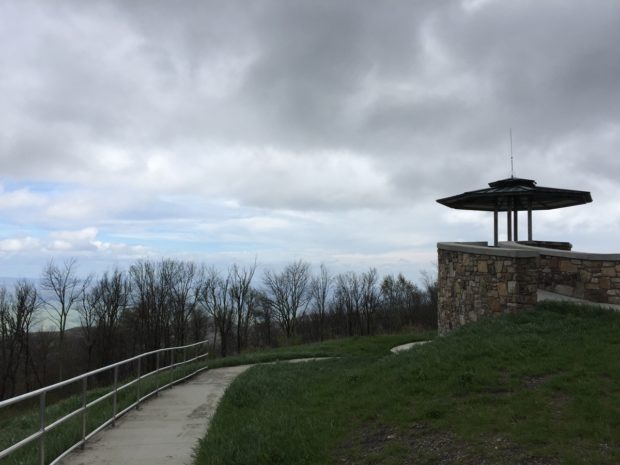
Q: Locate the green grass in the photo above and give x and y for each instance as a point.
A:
(541, 387)
(13, 428)
(18, 423)
(352, 346)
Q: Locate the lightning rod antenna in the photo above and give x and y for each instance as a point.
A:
(512, 167)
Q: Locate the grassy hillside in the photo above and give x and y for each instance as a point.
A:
(18, 423)
(535, 388)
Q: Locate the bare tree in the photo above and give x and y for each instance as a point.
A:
(26, 305)
(401, 300)
(198, 318)
(109, 297)
(88, 312)
(320, 288)
(184, 286)
(263, 313)
(42, 342)
(253, 304)
(151, 296)
(348, 296)
(431, 290)
(62, 290)
(288, 293)
(7, 342)
(241, 299)
(17, 316)
(215, 297)
(370, 297)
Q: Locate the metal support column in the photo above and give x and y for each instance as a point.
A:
(509, 221)
(516, 222)
(529, 220)
(115, 397)
(495, 229)
(42, 428)
(138, 384)
(84, 389)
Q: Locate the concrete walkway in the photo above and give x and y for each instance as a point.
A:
(407, 346)
(165, 430)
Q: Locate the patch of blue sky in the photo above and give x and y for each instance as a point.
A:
(36, 186)
(172, 242)
(177, 208)
(9, 230)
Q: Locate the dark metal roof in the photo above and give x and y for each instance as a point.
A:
(516, 194)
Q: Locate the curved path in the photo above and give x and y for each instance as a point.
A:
(167, 428)
(409, 345)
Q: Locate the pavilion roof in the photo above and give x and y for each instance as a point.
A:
(516, 194)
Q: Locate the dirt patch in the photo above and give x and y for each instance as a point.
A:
(422, 445)
(532, 382)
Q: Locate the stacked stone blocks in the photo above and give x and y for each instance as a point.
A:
(476, 285)
(593, 280)
(476, 281)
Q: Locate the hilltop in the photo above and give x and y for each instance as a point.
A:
(542, 387)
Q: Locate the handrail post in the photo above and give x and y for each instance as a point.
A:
(114, 397)
(80, 414)
(157, 374)
(42, 426)
(138, 385)
(84, 382)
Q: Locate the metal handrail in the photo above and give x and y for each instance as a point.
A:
(42, 393)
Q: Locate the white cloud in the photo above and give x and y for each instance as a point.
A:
(315, 129)
(20, 199)
(19, 244)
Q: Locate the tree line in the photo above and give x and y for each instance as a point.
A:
(164, 303)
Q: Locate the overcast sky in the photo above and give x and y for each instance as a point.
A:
(221, 131)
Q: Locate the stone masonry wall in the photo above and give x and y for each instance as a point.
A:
(477, 281)
(475, 285)
(582, 278)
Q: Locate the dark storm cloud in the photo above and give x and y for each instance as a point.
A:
(314, 62)
(390, 80)
(308, 61)
(344, 108)
(552, 66)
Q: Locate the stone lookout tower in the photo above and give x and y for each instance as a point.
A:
(477, 280)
